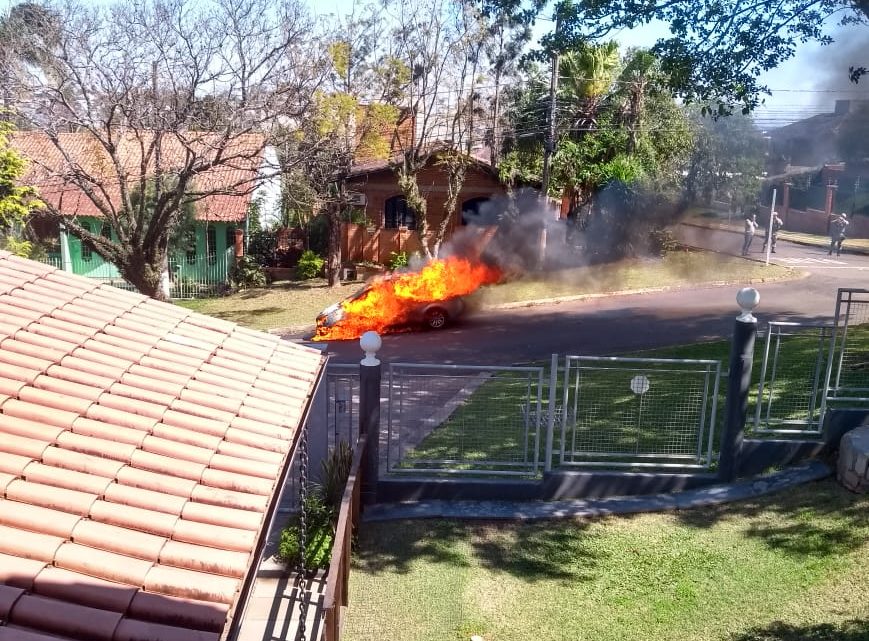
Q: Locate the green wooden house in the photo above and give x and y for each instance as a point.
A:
(201, 260)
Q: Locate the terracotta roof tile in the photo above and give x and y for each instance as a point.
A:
(121, 417)
(65, 585)
(228, 498)
(167, 447)
(136, 630)
(201, 559)
(155, 482)
(236, 482)
(188, 437)
(32, 545)
(122, 452)
(214, 536)
(177, 611)
(230, 517)
(147, 499)
(108, 431)
(65, 618)
(140, 445)
(15, 633)
(51, 497)
(133, 518)
(68, 479)
(74, 375)
(165, 579)
(71, 460)
(18, 572)
(118, 539)
(8, 596)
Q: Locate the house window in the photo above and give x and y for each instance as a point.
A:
(87, 250)
(471, 212)
(189, 245)
(106, 231)
(230, 236)
(211, 245)
(398, 214)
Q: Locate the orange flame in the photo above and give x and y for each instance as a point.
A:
(389, 301)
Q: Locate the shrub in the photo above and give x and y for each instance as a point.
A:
(246, 272)
(310, 265)
(321, 534)
(398, 260)
(334, 471)
(321, 513)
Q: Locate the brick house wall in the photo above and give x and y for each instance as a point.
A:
(377, 243)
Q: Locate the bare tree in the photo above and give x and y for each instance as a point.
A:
(442, 42)
(176, 101)
(352, 119)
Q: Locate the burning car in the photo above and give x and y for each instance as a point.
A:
(431, 297)
(434, 315)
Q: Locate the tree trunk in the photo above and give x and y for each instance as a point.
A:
(410, 189)
(144, 274)
(333, 252)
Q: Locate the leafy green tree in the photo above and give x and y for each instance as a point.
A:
(727, 160)
(716, 50)
(16, 201)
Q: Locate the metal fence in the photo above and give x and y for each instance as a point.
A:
(790, 394)
(638, 412)
(342, 403)
(464, 419)
(847, 379)
(198, 277)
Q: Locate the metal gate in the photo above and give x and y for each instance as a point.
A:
(342, 403)
(463, 419)
(790, 395)
(638, 412)
(847, 380)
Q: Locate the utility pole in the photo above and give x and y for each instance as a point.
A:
(549, 149)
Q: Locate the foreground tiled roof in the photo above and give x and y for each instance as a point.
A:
(141, 446)
(229, 183)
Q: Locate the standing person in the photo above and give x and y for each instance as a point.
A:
(776, 223)
(837, 233)
(750, 228)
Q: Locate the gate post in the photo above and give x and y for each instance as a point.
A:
(369, 413)
(738, 383)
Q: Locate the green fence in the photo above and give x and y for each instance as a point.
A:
(189, 277)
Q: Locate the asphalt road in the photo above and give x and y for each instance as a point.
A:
(605, 326)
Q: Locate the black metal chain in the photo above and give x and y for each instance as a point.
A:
(303, 582)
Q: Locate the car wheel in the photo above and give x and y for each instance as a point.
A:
(436, 318)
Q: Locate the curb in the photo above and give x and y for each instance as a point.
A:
(577, 508)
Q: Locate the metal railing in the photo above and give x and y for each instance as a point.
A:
(790, 396)
(462, 419)
(342, 403)
(847, 378)
(199, 277)
(638, 412)
(337, 593)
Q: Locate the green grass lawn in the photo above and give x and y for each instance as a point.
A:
(296, 304)
(788, 567)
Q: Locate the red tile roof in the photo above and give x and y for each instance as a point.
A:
(141, 446)
(230, 183)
